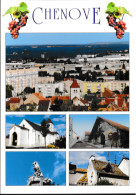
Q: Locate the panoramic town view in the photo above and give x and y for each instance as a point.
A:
(99, 131)
(67, 72)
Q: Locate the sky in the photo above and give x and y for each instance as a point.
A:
(81, 158)
(64, 38)
(59, 121)
(82, 123)
(19, 166)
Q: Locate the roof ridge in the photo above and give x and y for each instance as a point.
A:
(114, 123)
(32, 122)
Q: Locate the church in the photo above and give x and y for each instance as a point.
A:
(28, 134)
(100, 173)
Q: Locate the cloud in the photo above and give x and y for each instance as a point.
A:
(59, 168)
(60, 126)
(60, 118)
(60, 164)
(47, 116)
(80, 158)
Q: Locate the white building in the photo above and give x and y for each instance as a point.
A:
(73, 138)
(75, 90)
(28, 134)
(99, 171)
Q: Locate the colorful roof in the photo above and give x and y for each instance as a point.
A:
(39, 97)
(74, 84)
(83, 179)
(81, 170)
(14, 100)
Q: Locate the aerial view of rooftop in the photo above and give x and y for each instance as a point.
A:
(67, 72)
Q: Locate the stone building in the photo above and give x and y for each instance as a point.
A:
(98, 171)
(28, 134)
(109, 133)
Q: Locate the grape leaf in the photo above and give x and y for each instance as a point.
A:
(11, 10)
(22, 4)
(111, 10)
(111, 4)
(23, 9)
(126, 12)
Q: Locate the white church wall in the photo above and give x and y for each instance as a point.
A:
(124, 166)
(91, 174)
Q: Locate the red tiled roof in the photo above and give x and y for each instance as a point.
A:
(59, 98)
(109, 100)
(74, 84)
(14, 100)
(39, 97)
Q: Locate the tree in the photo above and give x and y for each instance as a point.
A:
(126, 90)
(94, 106)
(44, 129)
(28, 90)
(9, 89)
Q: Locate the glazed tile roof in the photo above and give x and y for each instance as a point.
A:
(81, 170)
(83, 179)
(119, 126)
(100, 166)
(74, 84)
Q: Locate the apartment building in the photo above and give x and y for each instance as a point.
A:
(21, 78)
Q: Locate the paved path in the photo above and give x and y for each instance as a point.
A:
(84, 145)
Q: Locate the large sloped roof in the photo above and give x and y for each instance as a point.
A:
(38, 127)
(34, 125)
(74, 84)
(119, 126)
(100, 166)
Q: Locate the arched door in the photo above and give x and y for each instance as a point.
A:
(102, 139)
(14, 139)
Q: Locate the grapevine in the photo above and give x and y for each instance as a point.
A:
(115, 19)
(19, 19)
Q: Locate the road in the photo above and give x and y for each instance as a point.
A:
(84, 145)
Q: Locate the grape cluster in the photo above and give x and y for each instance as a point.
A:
(120, 29)
(119, 26)
(15, 26)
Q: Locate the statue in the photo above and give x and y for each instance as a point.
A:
(37, 177)
(37, 170)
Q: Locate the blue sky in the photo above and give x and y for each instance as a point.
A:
(82, 123)
(81, 158)
(19, 166)
(59, 121)
(64, 38)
